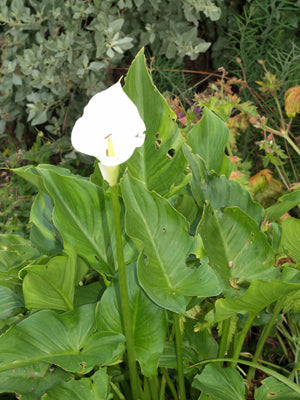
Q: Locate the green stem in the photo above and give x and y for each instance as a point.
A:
(170, 383)
(117, 391)
(242, 336)
(224, 338)
(153, 387)
(162, 388)
(296, 367)
(282, 122)
(294, 344)
(126, 313)
(179, 357)
(263, 337)
(146, 389)
(229, 150)
(294, 146)
(285, 136)
(283, 347)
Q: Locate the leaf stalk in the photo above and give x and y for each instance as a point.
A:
(178, 342)
(242, 336)
(263, 337)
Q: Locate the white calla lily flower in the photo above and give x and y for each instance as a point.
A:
(110, 129)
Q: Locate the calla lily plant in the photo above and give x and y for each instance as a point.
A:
(110, 129)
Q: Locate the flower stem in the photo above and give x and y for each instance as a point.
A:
(263, 337)
(126, 313)
(178, 341)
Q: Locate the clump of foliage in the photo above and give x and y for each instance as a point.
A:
(54, 55)
(260, 29)
(275, 148)
(15, 194)
(247, 37)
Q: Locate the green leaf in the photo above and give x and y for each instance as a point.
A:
(204, 344)
(39, 117)
(101, 385)
(226, 193)
(83, 216)
(8, 240)
(51, 285)
(197, 346)
(242, 253)
(11, 302)
(10, 259)
(169, 359)
(43, 234)
(14, 250)
(187, 206)
(94, 388)
(34, 174)
(200, 174)
(292, 301)
(67, 340)
(259, 295)
(96, 66)
(160, 162)
(283, 205)
(273, 389)
(290, 239)
(149, 322)
(161, 235)
(88, 294)
(220, 383)
(97, 3)
(15, 253)
(36, 378)
(208, 139)
(220, 191)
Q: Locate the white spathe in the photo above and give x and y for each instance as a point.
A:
(110, 129)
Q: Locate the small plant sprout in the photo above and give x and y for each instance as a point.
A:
(110, 129)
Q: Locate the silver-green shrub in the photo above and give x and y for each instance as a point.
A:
(56, 54)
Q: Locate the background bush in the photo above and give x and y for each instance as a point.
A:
(247, 33)
(258, 29)
(56, 54)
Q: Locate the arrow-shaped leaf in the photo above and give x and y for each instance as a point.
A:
(259, 295)
(160, 162)
(67, 340)
(208, 139)
(161, 235)
(236, 248)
